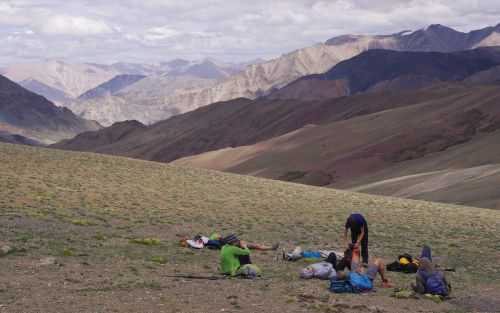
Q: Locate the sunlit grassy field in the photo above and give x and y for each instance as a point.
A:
(93, 213)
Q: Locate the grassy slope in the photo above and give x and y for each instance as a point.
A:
(84, 209)
(433, 135)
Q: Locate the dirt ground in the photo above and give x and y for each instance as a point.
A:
(79, 225)
(116, 278)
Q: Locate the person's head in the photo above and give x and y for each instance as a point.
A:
(350, 220)
(231, 240)
(332, 259)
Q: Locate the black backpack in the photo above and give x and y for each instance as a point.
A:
(409, 268)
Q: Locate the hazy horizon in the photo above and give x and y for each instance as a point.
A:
(238, 31)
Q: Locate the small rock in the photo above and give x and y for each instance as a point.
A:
(47, 261)
(4, 250)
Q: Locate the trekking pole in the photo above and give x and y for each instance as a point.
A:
(192, 276)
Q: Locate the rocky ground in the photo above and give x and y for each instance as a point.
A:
(79, 227)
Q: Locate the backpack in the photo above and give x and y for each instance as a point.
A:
(341, 286)
(436, 285)
(360, 282)
(410, 266)
(249, 271)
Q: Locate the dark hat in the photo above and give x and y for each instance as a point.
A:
(230, 239)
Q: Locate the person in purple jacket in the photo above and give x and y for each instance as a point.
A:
(358, 226)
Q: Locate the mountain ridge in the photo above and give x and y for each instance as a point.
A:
(25, 113)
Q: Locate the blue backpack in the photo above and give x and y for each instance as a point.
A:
(341, 286)
(360, 282)
(436, 285)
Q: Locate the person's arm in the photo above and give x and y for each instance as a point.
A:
(240, 251)
(360, 237)
(346, 242)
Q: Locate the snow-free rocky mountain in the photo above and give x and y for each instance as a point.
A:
(262, 78)
(57, 80)
(28, 118)
(340, 141)
(123, 99)
(65, 83)
(179, 86)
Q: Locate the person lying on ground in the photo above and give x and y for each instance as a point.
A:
(430, 280)
(358, 226)
(374, 267)
(298, 254)
(215, 242)
(235, 258)
(322, 270)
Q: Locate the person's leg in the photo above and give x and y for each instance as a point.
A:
(378, 266)
(354, 236)
(426, 252)
(356, 261)
(364, 247)
(244, 259)
(256, 246)
(419, 287)
(214, 244)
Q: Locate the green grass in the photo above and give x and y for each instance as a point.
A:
(130, 214)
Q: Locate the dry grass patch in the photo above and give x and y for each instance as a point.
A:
(94, 206)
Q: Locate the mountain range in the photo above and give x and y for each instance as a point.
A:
(127, 97)
(58, 80)
(261, 79)
(26, 117)
(70, 84)
(433, 149)
(391, 114)
(340, 141)
(387, 69)
(191, 84)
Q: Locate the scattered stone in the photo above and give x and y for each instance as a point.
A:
(47, 261)
(4, 250)
(375, 309)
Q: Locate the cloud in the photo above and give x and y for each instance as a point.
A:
(236, 30)
(73, 25)
(160, 33)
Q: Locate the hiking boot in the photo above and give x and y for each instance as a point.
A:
(386, 284)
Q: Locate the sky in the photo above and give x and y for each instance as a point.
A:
(149, 31)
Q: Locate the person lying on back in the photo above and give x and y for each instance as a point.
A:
(374, 267)
(429, 279)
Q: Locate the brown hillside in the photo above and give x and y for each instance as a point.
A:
(236, 123)
(368, 148)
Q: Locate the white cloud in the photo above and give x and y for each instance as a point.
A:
(161, 33)
(155, 30)
(73, 25)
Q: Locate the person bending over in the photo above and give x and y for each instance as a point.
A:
(359, 234)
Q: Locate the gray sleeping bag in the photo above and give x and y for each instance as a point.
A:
(321, 270)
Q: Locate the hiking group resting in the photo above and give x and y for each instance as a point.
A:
(349, 272)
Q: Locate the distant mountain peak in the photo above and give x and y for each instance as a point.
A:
(440, 28)
(342, 39)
